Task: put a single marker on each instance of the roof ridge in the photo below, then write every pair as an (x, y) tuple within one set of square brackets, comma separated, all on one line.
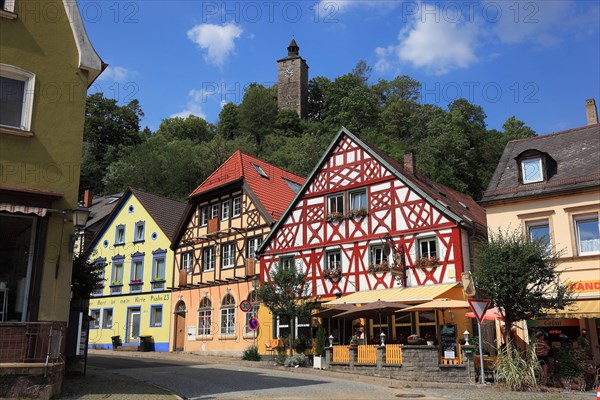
[(570, 130)]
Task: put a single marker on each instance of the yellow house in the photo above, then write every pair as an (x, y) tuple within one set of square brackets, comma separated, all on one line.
[(549, 186), (46, 66), (134, 301)]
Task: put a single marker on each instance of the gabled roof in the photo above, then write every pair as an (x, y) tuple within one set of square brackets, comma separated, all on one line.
[(272, 188), (165, 212), (101, 208), (575, 151), (457, 206)]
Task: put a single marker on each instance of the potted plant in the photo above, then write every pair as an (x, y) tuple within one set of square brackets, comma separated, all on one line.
[(415, 340), (321, 342), (375, 268), (333, 274), (427, 262)]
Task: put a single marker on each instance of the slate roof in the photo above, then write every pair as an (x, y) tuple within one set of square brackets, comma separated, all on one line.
[(101, 208), (576, 152), (165, 212), (273, 191)]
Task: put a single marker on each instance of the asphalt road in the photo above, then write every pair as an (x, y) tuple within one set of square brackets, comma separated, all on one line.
[(195, 381)]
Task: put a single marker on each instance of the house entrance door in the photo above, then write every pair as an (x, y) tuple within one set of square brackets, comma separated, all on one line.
[(179, 327), (133, 327)]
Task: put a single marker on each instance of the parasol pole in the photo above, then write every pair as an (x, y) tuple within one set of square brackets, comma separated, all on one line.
[(480, 351)]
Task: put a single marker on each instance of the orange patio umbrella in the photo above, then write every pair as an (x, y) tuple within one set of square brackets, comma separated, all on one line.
[(492, 314)]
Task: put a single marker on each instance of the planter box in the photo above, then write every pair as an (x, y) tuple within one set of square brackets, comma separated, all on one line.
[(318, 362)]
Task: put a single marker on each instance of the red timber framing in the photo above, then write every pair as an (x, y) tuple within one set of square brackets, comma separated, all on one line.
[(412, 213)]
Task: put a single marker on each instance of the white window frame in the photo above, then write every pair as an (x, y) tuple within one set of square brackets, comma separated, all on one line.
[(186, 262), (137, 268), (237, 206), (138, 234), (330, 263), (584, 218), (120, 264), (228, 255), (228, 315), (120, 238), (523, 173), (16, 73), (427, 239), (155, 275), (205, 317), (95, 314), (105, 312), (225, 210), (208, 258), (287, 262), (204, 216), (333, 200), (297, 325), (154, 324), (353, 194), (253, 245), (374, 257), (214, 211), (537, 224)]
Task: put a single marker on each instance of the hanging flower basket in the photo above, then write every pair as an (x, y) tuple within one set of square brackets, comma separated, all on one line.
[(333, 274), (427, 262)]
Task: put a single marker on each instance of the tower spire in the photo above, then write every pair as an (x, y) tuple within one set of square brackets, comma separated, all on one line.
[(293, 48)]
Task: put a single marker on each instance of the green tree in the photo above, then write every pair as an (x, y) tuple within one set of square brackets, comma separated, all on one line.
[(229, 121), (317, 87), (401, 88), (520, 277), (108, 129), (86, 276), (258, 111), (192, 128), (286, 295), (516, 129), (288, 123)]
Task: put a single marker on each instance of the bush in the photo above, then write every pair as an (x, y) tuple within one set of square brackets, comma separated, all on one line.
[(570, 362), (296, 360), (251, 354), (517, 370), (280, 357), (321, 341), (300, 344)]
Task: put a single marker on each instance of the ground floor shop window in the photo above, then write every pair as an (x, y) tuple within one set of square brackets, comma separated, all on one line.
[(17, 247)]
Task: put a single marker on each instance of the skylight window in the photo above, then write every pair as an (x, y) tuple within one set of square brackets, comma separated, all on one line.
[(293, 185), (260, 171)]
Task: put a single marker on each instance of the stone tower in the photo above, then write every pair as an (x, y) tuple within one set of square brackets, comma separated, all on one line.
[(292, 81)]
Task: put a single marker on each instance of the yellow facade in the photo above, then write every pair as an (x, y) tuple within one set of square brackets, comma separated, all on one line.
[(133, 304)]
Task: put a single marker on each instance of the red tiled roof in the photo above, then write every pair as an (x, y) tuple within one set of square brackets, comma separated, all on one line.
[(273, 191)]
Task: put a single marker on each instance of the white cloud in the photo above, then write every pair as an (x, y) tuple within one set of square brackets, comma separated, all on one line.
[(329, 8), (383, 63), (543, 22), (191, 108), (218, 40), (439, 46), (117, 74)]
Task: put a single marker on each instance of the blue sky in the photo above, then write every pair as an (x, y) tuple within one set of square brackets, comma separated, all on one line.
[(537, 60)]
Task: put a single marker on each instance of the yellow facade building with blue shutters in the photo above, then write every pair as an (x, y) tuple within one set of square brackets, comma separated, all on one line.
[(133, 244)]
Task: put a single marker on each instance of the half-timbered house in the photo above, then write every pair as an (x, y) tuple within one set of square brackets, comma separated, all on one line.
[(365, 227), (227, 218)]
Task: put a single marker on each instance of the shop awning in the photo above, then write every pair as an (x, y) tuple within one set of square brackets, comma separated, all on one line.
[(417, 294), (579, 309), (15, 208)]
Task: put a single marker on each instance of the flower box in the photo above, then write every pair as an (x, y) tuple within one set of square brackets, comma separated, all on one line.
[(376, 268), (427, 262), (335, 216), (358, 213), (135, 281), (333, 274)]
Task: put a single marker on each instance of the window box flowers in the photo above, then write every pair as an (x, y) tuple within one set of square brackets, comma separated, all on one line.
[(136, 281), (375, 268), (117, 283), (333, 274), (358, 213), (427, 262), (415, 340), (335, 216)]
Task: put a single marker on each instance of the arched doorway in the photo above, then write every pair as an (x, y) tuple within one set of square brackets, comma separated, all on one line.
[(179, 335)]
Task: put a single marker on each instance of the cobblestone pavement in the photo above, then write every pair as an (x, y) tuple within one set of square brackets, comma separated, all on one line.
[(117, 384)]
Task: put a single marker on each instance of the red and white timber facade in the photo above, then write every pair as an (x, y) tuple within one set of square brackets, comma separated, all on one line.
[(415, 216)]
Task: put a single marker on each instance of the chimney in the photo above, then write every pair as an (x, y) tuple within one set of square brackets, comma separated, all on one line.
[(87, 198), (591, 112), (410, 163)]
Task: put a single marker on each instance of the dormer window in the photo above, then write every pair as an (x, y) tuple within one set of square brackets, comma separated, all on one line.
[(531, 170)]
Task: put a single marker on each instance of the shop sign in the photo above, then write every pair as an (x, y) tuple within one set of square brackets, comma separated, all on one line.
[(553, 322), (585, 286)]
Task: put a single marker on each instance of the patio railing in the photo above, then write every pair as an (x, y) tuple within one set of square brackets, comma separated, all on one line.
[(393, 354), (30, 342), (367, 354), (452, 361), (341, 354)]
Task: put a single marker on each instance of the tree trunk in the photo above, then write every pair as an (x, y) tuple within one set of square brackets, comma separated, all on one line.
[(291, 337)]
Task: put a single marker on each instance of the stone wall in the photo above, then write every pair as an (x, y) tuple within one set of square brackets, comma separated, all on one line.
[(420, 363)]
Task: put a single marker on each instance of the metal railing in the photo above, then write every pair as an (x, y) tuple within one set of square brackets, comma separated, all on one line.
[(30, 342), (393, 354), (341, 354), (367, 354)]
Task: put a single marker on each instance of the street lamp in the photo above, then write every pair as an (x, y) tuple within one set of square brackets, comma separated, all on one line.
[(382, 336), (255, 282), (331, 340), (466, 334), (80, 216)]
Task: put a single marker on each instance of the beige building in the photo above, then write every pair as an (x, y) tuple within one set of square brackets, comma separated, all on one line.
[(549, 186)]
